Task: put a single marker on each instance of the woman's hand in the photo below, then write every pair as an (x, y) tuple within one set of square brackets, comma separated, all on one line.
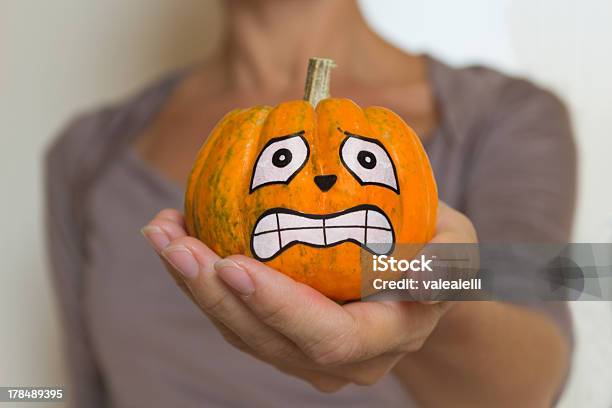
[(290, 325)]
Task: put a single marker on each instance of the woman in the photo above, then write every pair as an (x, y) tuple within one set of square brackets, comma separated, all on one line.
[(502, 153)]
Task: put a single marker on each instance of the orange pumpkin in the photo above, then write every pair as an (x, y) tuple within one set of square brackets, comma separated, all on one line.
[(305, 185)]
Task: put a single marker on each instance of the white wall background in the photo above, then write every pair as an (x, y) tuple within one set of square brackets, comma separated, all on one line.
[(59, 57)]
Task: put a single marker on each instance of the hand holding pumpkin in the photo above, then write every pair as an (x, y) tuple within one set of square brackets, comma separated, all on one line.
[(291, 325)]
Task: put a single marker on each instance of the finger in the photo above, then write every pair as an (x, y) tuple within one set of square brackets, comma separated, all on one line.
[(176, 277), (170, 224), (318, 326), (172, 214), (231, 337), (453, 227), (193, 261), (453, 252), (166, 226), (163, 230), (234, 340)]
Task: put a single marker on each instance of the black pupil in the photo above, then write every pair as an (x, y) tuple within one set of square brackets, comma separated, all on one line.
[(282, 157), (366, 159)]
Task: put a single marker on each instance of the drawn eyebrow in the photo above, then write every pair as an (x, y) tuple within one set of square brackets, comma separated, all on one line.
[(373, 141), (277, 138), (270, 142), (347, 133), (365, 138)]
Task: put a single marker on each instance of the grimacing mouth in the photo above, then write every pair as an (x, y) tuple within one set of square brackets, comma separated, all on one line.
[(278, 229)]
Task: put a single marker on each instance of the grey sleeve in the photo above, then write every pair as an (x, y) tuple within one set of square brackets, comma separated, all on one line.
[(522, 179), (66, 257), (522, 182)]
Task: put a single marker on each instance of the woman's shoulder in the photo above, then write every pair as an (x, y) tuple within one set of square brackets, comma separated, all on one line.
[(90, 133), (486, 84), (475, 95)]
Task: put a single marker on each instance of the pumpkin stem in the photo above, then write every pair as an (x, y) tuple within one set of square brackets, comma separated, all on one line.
[(317, 80)]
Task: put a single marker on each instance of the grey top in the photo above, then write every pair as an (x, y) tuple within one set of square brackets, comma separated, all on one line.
[(503, 154)]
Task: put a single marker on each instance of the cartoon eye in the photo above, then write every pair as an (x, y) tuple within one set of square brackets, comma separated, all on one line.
[(368, 161), (280, 160)]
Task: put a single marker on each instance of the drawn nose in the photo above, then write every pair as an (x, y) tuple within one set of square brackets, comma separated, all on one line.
[(325, 182)]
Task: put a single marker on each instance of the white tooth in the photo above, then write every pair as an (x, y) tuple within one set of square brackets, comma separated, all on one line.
[(334, 235), (376, 219), (379, 241), (310, 236), (266, 245), (267, 223), (352, 218), (296, 221)]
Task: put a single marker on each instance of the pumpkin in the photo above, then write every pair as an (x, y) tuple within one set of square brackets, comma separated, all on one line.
[(306, 185)]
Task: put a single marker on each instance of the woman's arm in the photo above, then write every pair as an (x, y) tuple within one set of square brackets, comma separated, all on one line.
[(85, 383), (485, 354), (521, 190)]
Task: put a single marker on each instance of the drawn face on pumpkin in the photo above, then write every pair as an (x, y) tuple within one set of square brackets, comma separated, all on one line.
[(364, 159), (306, 190)]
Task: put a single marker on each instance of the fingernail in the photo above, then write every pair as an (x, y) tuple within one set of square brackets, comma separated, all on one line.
[(182, 260), (156, 237), (234, 276)]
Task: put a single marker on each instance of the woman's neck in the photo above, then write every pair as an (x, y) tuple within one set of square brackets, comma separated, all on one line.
[(268, 42)]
